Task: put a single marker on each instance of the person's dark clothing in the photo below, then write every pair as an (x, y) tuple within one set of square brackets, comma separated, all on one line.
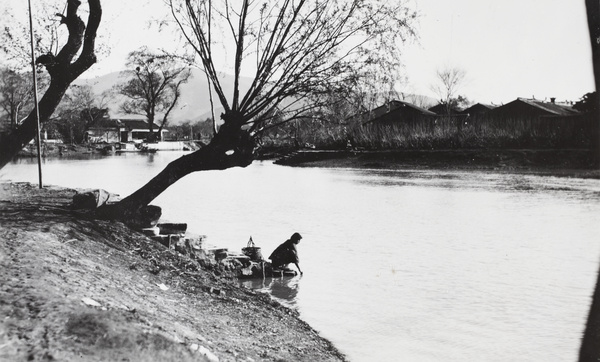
[(284, 254)]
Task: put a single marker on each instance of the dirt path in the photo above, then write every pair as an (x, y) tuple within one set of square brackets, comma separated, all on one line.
[(77, 289)]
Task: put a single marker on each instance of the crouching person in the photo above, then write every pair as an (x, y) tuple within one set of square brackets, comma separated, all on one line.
[(286, 253)]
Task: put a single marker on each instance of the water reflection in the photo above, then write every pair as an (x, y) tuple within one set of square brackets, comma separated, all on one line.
[(283, 289), (486, 181), (150, 159)]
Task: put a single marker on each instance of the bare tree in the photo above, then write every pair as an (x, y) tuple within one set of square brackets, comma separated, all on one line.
[(419, 100), (16, 91), (449, 81), (15, 40), (79, 109), (154, 85), (84, 100), (73, 58), (296, 52)]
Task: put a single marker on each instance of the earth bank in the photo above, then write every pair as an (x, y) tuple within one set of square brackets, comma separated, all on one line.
[(78, 288), (556, 162)]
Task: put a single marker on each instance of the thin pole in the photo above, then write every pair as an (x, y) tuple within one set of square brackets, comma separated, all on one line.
[(35, 97)]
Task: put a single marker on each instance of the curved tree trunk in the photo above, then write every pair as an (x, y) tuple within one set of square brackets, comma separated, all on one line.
[(231, 147), (63, 71), (26, 131)]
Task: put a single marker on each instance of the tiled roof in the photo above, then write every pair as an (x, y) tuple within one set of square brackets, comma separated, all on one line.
[(440, 109), (389, 108), (479, 107), (113, 123), (422, 110), (105, 123), (135, 123), (553, 108)]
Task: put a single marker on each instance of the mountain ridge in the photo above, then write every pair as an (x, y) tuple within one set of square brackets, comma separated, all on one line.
[(194, 104)]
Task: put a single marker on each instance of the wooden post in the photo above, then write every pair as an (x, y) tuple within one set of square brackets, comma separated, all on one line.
[(35, 98)]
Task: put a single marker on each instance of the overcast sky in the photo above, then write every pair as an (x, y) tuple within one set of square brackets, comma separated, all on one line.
[(508, 48)]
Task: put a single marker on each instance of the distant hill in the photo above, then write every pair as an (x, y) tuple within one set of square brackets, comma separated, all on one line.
[(419, 100), (194, 103)]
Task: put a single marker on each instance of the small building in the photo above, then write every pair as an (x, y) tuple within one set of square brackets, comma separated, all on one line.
[(442, 110), (103, 130), (525, 107), (115, 130), (393, 112), (478, 109), (132, 130)]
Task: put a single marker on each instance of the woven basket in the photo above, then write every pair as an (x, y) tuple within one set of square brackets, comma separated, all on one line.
[(252, 251)]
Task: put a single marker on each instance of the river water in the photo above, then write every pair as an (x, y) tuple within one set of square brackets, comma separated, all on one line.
[(398, 265)]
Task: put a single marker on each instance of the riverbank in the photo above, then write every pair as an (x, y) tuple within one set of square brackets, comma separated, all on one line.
[(570, 163), (50, 149), (77, 288)]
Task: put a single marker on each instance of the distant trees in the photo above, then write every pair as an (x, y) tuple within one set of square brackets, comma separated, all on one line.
[(418, 100), (153, 86), (588, 103), (456, 104), (80, 108), (188, 130), (15, 46), (448, 82), (16, 94), (63, 64)]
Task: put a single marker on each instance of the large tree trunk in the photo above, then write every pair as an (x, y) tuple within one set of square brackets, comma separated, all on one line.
[(25, 132), (590, 345), (63, 71), (230, 147)]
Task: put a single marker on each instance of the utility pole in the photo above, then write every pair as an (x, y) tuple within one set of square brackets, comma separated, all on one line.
[(35, 97)]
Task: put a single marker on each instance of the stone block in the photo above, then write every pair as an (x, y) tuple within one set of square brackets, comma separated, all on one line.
[(172, 228), (93, 199)]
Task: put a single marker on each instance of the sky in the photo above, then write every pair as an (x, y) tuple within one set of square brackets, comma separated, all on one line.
[(508, 48)]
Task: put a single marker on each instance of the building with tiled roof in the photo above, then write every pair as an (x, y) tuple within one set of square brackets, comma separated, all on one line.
[(478, 109), (393, 112), (526, 107), (441, 109), (113, 130)]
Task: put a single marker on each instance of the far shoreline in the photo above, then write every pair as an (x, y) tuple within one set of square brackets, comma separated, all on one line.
[(579, 163)]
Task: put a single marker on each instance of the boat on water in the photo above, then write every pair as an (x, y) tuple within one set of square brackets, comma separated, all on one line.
[(127, 147)]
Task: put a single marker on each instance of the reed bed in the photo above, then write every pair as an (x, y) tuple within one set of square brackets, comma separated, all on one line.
[(478, 132)]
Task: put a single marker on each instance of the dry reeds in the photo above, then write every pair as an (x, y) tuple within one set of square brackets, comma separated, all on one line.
[(463, 132)]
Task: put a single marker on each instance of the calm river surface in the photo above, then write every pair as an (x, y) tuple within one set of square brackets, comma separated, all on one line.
[(398, 265)]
